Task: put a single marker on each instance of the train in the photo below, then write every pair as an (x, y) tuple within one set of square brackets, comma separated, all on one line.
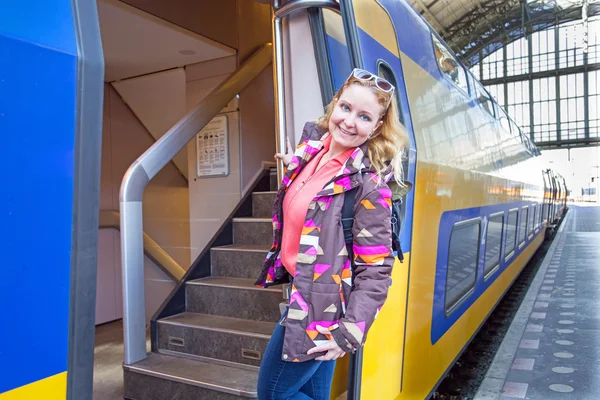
[(481, 203)]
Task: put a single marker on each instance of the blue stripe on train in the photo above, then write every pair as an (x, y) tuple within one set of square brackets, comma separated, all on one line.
[(442, 322), (340, 62)]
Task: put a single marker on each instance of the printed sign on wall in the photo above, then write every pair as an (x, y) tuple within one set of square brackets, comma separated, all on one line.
[(212, 150)]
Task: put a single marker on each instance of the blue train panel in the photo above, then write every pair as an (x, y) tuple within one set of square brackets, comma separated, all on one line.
[(444, 317), (38, 76), (373, 50), (47, 24), (340, 62)]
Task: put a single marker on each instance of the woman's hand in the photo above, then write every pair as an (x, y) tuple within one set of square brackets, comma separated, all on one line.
[(286, 158), (331, 347)]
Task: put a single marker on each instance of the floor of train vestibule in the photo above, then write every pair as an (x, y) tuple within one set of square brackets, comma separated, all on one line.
[(108, 361)]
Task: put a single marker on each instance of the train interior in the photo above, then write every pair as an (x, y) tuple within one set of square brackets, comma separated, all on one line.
[(206, 214)]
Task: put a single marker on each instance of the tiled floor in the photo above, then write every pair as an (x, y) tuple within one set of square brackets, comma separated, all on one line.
[(557, 355)]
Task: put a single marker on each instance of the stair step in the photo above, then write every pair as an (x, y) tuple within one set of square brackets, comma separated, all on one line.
[(162, 376), (241, 260), (253, 231), (262, 204), (231, 339), (233, 297)]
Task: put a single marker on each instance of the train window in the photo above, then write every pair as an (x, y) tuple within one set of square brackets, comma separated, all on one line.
[(504, 122), (511, 233), (523, 226), (531, 220), (485, 101), (463, 254), (384, 70), (493, 243), (449, 65), (331, 52)]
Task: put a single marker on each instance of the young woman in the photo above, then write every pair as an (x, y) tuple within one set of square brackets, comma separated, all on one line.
[(357, 145)]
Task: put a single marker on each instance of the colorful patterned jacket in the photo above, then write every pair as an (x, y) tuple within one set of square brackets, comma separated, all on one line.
[(322, 292)]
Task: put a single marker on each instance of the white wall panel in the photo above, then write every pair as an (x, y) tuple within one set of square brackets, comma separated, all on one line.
[(166, 211), (159, 101)]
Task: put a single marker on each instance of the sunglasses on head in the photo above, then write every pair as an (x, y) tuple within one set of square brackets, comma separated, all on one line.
[(366, 76)]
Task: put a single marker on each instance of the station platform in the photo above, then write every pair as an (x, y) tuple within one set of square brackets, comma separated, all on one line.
[(552, 348)]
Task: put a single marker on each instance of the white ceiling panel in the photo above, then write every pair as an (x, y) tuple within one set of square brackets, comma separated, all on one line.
[(137, 43)]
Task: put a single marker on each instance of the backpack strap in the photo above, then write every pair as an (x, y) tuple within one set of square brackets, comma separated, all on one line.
[(348, 219), (348, 222)]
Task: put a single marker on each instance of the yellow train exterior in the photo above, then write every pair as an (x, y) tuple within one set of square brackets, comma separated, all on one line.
[(474, 175)]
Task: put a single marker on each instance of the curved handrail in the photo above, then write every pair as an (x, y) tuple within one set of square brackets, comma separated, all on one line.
[(137, 177), (294, 5), (111, 219)]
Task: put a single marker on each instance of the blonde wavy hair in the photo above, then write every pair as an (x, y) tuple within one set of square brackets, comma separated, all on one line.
[(388, 144)]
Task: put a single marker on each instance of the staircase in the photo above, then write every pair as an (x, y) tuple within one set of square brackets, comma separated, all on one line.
[(210, 347)]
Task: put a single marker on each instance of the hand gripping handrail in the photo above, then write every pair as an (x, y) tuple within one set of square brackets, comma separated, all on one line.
[(137, 177), (112, 219), (278, 13)]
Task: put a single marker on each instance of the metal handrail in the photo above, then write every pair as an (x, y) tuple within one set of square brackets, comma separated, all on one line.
[(137, 177), (277, 14), (111, 219)]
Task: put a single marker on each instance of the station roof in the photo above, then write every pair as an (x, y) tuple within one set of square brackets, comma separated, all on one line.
[(475, 28)]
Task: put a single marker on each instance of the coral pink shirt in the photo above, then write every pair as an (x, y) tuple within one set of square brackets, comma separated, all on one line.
[(300, 193)]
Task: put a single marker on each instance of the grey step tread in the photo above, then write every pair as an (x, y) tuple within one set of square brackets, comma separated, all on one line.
[(250, 230), (239, 260), (220, 323), (233, 283), (222, 378), (243, 247), (262, 204), (253, 219)]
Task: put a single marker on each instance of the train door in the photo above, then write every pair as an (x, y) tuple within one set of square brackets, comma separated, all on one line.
[(332, 59), (545, 199), (566, 197), (547, 196), (372, 40), (314, 63), (554, 196), (559, 194)]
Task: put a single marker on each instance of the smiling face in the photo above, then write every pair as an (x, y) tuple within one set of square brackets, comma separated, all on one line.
[(355, 116)]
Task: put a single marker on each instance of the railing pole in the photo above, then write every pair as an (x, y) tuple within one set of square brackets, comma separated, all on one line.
[(134, 302), (279, 88)]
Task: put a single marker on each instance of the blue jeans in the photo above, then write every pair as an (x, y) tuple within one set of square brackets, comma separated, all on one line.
[(279, 380)]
